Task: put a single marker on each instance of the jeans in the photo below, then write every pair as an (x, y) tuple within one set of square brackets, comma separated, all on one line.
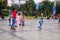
[(13, 22), (40, 24)]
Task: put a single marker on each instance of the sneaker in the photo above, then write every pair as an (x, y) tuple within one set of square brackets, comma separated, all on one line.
[(39, 27)]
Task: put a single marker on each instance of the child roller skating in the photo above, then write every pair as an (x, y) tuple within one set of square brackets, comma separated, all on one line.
[(23, 24), (40, 23), (21, 19), (9, 18), (13, 19), (16, 22), (9, 21)]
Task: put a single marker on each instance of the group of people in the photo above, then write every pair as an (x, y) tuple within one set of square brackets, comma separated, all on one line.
[(13, 17)]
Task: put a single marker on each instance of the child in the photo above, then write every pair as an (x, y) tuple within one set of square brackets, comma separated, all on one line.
[(20, 18), (40, 23), (23, 24), (13, 18), (16, 22), (9, 18)]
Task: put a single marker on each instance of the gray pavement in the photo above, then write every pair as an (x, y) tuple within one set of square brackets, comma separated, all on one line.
[(50, 30)]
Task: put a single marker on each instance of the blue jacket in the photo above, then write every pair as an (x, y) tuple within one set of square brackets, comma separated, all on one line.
[(41, 20)]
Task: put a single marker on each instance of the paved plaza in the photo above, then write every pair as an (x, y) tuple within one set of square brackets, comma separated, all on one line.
[(50, 30)]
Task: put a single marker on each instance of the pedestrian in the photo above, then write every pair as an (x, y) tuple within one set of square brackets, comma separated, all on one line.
[(59, 18), (23, 22), (40, 23), (10, 18), (13, 18), (20, 18)]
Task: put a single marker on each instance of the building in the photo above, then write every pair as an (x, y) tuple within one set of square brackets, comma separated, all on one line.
[(18, 2)]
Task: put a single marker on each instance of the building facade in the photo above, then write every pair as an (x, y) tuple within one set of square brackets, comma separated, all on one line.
[(18, 2)]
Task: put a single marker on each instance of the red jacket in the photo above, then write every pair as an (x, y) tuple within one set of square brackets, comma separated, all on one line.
[(13, 14)]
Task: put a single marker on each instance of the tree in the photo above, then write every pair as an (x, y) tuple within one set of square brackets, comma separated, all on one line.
[(46, 7), (2, 4), (58, 7), (28, 6)]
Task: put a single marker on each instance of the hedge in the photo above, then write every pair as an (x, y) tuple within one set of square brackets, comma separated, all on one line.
[(5, 13)]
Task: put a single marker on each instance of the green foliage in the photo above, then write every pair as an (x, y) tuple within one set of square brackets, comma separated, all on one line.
[(46, 7), (2, 4), (5, 13), (28, 6), (58, 7)]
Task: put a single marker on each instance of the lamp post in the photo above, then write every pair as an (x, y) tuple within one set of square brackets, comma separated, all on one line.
[(19, 3), (54, 2)]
